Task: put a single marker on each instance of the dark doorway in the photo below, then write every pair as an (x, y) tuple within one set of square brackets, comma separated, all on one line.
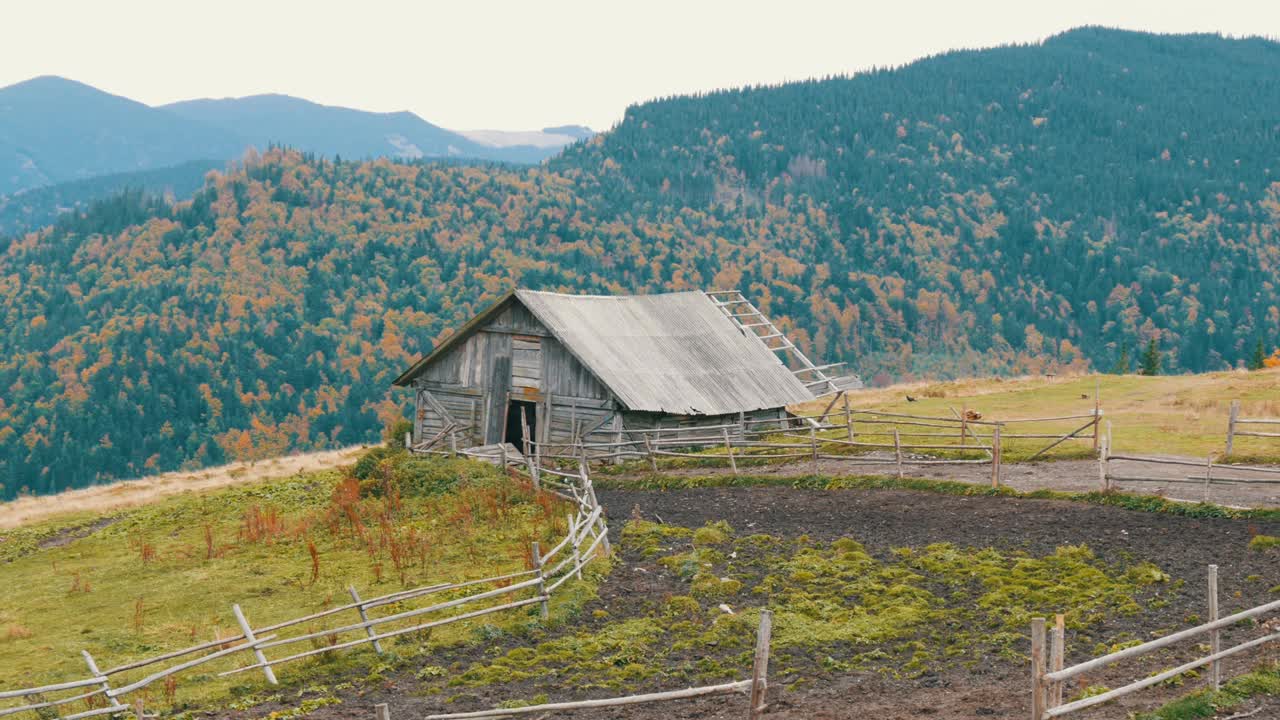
[(515, 432)]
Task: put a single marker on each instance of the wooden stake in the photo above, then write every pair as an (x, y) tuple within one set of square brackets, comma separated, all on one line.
[(106, 686), (1097, 409), (257, 652), (381, 712), (1037, 669), (760, 667), (1215, 668), (1103, 454), (1231, 426), (1057, 649), (542, 581), (729, 450), (364, 617), (848, 418), (964, 424), (648, 448), (897, 451), (813, 444), (995, 457)]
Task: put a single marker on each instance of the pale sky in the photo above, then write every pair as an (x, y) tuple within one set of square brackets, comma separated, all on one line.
[(523, 65)]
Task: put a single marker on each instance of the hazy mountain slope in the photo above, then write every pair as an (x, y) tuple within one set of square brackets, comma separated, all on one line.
[(53, 130), (35, 208), (329, 130), (1016, 210)]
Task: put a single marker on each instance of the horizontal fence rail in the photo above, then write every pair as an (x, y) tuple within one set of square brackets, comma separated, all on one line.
[(586, 539), (1049, 676), (1234, 423)]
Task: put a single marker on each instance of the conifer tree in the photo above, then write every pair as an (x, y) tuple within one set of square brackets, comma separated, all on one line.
[(1151, 359)]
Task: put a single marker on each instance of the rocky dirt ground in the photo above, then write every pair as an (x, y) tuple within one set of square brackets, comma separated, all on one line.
[(882, 520)]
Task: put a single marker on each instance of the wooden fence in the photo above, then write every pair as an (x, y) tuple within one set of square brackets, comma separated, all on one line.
[(1234, 422), (846, 435), (755, 688), (1049, 677), (1209, 472), (379, 618)]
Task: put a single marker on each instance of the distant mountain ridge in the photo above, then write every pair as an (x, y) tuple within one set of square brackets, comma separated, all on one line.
[(54, 130)]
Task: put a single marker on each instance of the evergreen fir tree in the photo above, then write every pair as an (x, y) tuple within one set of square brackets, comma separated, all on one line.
[(1258, 360), (1123, 364), (1151, 359)]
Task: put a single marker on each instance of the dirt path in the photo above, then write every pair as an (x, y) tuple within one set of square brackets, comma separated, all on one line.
[(132, 493), (1061, 475)]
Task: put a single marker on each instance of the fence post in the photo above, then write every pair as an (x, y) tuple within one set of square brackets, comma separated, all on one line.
[(453, 443), (995, 457), (813, 445), (760, 667), (1037, 669), (502, 448), (1057, 650), (897, 451), (729, 449), (106, 686), (381, 712), (1097, 409), (964, 424), (848, 418), (364, 617), (408, 441), (542, 581), (648, 448), (257, 652), (1103, 479), (576, 541), (1215, 668), (1231, 426)]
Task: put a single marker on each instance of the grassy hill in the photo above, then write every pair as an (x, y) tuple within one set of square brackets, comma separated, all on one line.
[(136, 582)]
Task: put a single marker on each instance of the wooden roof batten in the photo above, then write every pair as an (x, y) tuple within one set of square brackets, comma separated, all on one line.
[(677, 353)]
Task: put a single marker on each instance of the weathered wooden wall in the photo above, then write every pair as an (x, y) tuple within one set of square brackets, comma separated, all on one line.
[(513, 357)]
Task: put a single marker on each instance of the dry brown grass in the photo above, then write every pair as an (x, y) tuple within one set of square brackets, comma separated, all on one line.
[(134, 493)]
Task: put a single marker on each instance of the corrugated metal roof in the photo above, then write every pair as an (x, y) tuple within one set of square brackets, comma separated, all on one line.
[(674, 353)]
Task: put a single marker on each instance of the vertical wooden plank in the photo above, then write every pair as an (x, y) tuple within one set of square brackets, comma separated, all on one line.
[(1057, 651), (728, 448), (760, 666), (617, 437), (897, 451), (1037, 669), (381, 712), (524, 432), (1215, 641), (648, 448), (1231, 426), (964, 424), (364, 617), (257, 653), (813, 446)]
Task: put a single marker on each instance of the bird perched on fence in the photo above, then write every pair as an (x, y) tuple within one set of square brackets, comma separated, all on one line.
[(972, 415)]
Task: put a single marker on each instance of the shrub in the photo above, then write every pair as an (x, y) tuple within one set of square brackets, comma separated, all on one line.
[(1264, 542), (393, 434)]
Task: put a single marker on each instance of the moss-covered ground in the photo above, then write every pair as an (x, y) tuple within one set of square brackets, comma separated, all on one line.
[(690, 599)]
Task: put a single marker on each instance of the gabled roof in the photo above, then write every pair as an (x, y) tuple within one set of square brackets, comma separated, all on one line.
[(673, 353)]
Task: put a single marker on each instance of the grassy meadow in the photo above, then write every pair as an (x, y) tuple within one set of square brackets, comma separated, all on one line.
[(1165, 414), (144, 581)]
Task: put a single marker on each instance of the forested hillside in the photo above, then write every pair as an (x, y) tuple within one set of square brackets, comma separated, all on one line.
[(1011, 210)]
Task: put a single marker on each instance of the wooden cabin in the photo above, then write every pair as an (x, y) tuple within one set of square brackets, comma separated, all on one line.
[(596, 368)]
